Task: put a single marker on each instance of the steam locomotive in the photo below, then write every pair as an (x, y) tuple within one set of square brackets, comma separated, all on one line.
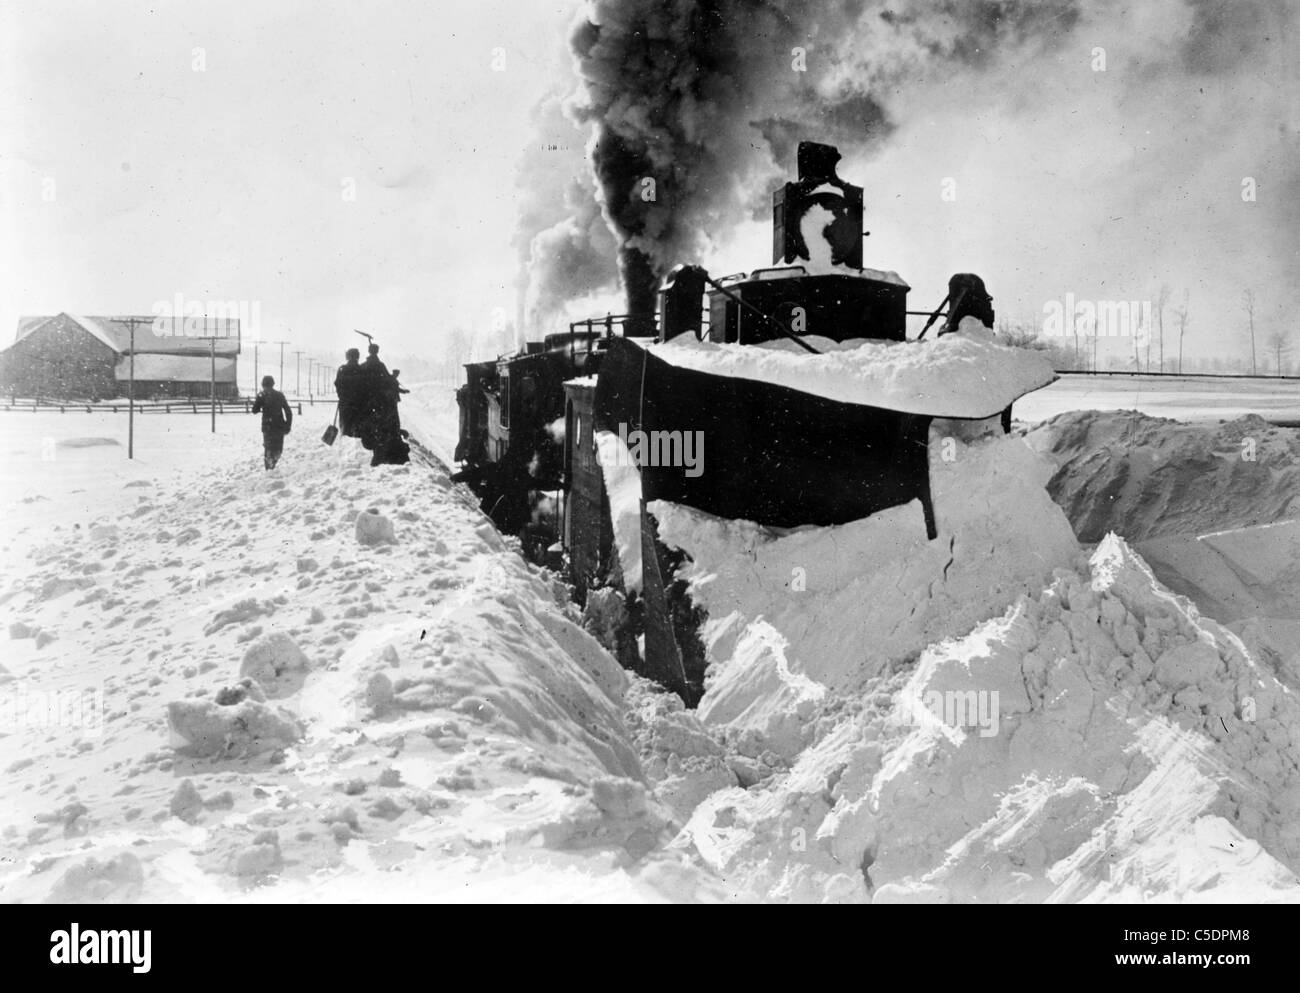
[(531, 422)]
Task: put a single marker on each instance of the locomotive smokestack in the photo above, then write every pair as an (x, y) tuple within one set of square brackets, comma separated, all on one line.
[(640, 284)]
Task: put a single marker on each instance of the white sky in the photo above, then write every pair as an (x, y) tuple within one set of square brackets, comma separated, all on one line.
[(227, 183)]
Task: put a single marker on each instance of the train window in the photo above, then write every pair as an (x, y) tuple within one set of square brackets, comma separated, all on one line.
[(577, 431)]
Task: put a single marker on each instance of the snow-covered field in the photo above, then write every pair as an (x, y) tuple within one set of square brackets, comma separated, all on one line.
[(1183, 399), (225, 684)]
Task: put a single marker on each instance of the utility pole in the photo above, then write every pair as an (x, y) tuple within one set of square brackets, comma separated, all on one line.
[(130, 388), (281, 344), (212, 376), (212, 382), (297, 372)]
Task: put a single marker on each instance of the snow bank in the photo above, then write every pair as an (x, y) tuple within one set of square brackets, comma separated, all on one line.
[(441, 726), (1146, 477), (1140, 753), (968, 374), (792, 615), (1233, 575)]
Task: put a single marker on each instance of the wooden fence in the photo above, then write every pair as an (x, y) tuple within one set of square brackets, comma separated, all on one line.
[(243, 405)]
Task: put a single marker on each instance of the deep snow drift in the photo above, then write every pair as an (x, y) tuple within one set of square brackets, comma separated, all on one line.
[(1146, 477), (988, 717), (1212, 508), (1139, 754), (304, 699)]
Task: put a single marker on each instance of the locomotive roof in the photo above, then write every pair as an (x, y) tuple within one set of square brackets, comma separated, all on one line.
[(799, 271)]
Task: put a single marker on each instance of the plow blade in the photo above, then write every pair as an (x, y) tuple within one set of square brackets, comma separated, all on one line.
[(757, 451)]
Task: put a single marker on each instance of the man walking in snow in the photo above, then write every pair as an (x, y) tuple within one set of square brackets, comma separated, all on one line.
[(277, 419)]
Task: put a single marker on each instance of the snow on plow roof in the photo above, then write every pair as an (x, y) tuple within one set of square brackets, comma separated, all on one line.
[(967, 374)]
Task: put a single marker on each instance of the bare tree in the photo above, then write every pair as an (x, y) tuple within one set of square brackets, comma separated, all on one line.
[(1137, 338), (1279, 343), (458, 349), (1181, 314), (1162, 299), (1074, 323), (1020, 334), (1248, 298)]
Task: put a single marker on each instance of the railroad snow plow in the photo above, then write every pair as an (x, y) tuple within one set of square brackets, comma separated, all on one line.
[(788, 397)]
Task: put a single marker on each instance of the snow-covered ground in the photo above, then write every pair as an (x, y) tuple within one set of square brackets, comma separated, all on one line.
[(265, 696), (1183, 399), (424, 718)]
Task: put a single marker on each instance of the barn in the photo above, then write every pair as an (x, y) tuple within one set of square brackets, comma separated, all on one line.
[(89, 358)]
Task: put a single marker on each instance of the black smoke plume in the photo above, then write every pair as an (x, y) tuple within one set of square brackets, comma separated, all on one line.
[(694, 106)]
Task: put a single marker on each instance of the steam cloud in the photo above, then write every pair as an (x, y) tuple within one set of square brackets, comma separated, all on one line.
[(702, 99), (694, 106)]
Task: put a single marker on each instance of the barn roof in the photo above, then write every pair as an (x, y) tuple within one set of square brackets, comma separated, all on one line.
[(27, 325), (115, 332)]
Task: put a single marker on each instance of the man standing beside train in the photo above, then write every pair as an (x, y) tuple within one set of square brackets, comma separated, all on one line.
[(349, 384)]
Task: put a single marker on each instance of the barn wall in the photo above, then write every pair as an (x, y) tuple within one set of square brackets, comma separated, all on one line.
[(60, 359), (160, 388)]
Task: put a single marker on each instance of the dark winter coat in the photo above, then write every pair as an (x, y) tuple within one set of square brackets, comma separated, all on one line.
[(349, 383), (376, 383), (277, 417)]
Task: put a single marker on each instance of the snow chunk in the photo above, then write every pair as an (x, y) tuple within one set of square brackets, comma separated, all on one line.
[(373, 528), (205, 729), (119, 879), (277, 664)]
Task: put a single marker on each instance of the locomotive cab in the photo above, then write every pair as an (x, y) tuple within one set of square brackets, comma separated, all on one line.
[(816, 286)]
